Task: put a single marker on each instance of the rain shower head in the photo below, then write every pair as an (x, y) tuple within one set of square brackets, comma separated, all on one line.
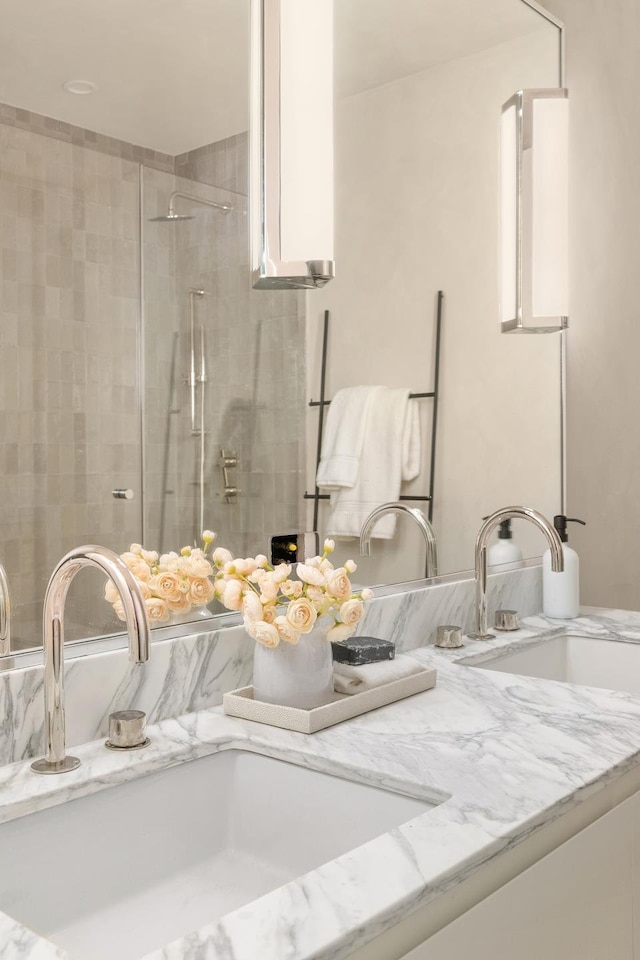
[(171, 216)]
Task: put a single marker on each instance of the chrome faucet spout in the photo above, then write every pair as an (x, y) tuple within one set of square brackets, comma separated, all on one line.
[(56, 759), (489, 525), (431, 562)]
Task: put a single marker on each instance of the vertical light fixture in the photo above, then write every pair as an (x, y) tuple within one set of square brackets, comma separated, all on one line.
[(291, 143), (534, 212)]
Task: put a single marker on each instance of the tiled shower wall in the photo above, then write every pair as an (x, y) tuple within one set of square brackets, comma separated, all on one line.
[(70, 431), (70, 427)]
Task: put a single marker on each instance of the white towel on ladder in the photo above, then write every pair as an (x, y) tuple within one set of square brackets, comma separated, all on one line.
[(343, 437), (390, 453)]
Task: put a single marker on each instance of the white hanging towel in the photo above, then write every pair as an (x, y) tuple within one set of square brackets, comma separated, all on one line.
[(390, 453), (343, 437)]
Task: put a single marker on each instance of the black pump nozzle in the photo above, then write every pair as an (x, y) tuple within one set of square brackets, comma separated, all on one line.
[(504, 532), (560, 523)]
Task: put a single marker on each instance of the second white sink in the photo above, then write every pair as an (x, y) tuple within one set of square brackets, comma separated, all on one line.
[(610, 664), (126, 870)]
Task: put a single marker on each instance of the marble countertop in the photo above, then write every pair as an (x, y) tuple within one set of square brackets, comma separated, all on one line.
[(503, 755)]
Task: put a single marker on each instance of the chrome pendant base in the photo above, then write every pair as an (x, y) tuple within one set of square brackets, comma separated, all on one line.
[(135, 746), (61, 766), (482, 636)]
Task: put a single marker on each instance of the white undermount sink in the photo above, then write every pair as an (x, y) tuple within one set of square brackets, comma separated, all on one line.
[(126, 870), (610, 664)]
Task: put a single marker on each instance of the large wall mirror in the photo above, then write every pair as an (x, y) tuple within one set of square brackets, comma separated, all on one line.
[(135, 355)]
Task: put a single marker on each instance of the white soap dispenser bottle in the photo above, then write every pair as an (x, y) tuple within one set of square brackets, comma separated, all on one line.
[(504, 550), (561, 591)]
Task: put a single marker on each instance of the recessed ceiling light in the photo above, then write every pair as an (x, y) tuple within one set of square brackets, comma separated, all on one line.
[(79, 87)]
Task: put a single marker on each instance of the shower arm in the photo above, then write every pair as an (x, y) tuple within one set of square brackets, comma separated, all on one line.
[(188, 196)]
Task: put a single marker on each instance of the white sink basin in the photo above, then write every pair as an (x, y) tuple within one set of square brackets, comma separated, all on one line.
[(124, 871), (610, 664)]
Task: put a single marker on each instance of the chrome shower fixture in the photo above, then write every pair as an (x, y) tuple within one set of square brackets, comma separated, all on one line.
[(171, 216)]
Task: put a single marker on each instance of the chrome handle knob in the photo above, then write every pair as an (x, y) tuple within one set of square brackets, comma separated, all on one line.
[(507, 620), (121, 494), (449, 636), (127, 730)]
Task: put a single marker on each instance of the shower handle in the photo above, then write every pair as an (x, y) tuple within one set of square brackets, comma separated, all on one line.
[(229, 460)]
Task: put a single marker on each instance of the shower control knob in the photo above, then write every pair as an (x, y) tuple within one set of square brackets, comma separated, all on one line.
[(119, 494)]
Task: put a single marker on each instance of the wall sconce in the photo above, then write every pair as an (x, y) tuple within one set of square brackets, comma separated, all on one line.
[(291, 143), (534, 212)]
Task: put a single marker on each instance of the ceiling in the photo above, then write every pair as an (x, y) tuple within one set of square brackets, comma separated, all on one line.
[(172, 75)]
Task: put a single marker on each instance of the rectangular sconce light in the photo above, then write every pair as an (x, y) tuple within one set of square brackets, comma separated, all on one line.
[(291, 143), (534, 212)]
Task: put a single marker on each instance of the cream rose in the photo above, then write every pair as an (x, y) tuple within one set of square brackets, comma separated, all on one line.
[(138, 567), (350, 566), (269, 588), (157, 610), (150, 556), (264, 633), (169, 561), (200, 591), (179, 604), (301, 615), (366, 594), (198, 567), (232, 595), (282, 572), (316, 594), (292, 588), (269, 614), (285, 630), (341, 631), (251, 607), (310, 574), (351, 612), (329, 546), (167, 586), (221, 556), (338, 584)]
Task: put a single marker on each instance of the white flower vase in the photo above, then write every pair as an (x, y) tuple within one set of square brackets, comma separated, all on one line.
[(295, 675)]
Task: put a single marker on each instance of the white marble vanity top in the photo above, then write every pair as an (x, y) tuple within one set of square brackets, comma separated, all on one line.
[(510, 754)]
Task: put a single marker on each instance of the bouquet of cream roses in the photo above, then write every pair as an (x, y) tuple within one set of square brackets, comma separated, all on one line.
[(277, 608), (171, 583)]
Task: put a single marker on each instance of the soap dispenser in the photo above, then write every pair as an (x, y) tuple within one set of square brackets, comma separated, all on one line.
[(505, 550), (561, 591)]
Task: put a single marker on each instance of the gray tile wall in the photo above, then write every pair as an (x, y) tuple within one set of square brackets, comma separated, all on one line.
[(69, 304), (70, 427)]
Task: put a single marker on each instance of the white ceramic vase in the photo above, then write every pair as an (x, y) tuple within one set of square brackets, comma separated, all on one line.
[(295, 675)]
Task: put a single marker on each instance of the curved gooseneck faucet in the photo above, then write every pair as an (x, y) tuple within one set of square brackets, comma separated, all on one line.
[(507, 513), (431, 563), (55, 759)]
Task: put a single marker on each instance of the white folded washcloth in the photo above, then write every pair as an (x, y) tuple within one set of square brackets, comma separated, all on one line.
[(390, 454), (350, 679), (343, 437)]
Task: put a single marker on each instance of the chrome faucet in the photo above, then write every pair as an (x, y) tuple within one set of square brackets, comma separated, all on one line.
[(508, 513), (55, 759), (431, 564), (5, 614)]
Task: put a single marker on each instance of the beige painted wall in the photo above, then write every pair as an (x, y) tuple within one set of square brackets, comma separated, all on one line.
[(603, 58), (417, 210)]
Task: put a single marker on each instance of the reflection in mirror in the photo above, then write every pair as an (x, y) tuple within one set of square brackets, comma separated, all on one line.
[(137, 357), (419, 92)]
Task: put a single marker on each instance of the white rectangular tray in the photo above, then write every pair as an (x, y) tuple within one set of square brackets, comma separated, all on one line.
[(240, 703)]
